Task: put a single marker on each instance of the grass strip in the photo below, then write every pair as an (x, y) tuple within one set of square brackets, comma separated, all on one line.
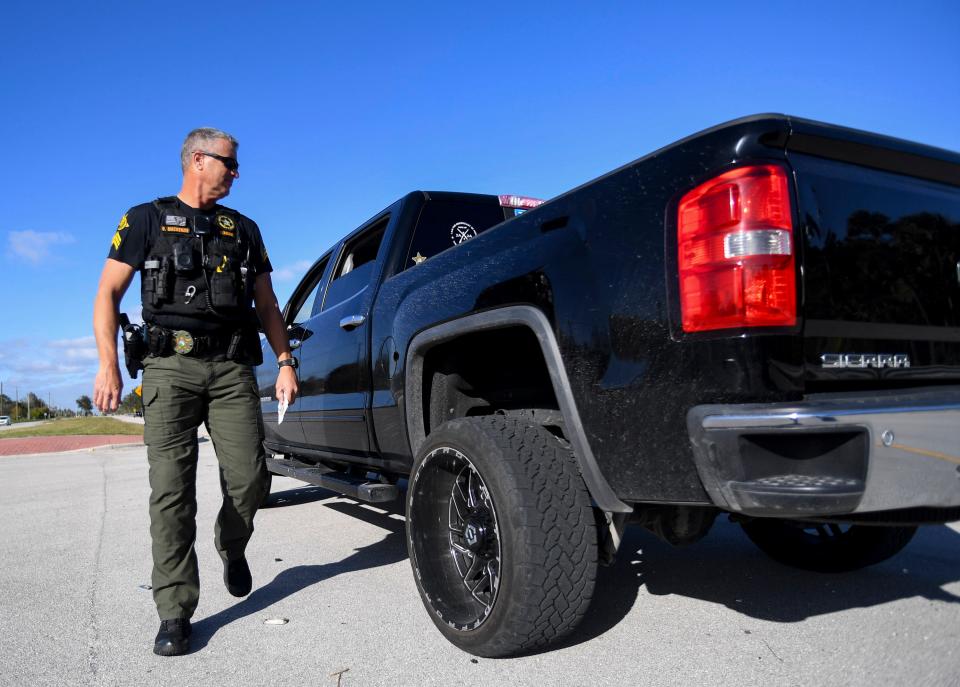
[(82, 426)]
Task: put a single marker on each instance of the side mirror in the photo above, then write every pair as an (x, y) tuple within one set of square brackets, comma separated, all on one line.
[(297, 334)]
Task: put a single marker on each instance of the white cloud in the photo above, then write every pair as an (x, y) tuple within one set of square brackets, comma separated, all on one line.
[(59, 368), (25, 363), (36, 246), (294, 271), (81, 354), (83, 349), (80, 342)]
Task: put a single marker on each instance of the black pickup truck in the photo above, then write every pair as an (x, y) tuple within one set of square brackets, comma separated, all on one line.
[(762, 319)]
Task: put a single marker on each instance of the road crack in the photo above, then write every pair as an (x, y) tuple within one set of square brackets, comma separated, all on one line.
[(93, 625), (770, 649)]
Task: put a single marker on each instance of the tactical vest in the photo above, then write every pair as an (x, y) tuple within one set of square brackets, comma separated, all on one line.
[(198, 268)]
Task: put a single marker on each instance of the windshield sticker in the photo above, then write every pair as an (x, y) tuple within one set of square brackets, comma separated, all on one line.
[(461, 232)]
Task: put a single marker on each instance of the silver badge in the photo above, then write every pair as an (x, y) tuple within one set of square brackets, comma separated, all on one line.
[(864, 360), (182, 342)]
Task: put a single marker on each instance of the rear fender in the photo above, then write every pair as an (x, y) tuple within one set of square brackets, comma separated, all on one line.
[(513, 316)]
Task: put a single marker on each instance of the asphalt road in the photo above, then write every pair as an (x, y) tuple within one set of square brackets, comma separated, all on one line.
[(75, 552), (21, 425)]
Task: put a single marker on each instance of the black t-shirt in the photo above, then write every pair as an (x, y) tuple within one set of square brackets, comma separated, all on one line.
[(141, 222)]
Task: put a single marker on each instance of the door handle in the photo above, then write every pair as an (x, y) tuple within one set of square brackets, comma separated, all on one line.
[(352, 321)]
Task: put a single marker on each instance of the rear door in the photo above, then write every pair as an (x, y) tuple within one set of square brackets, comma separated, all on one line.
[(305, 301), (335, 360)]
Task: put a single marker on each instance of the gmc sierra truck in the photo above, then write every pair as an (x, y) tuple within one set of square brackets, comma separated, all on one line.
[(762, 320)]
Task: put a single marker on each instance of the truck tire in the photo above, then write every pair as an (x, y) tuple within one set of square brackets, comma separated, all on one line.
[(501, 535), (827, 547)]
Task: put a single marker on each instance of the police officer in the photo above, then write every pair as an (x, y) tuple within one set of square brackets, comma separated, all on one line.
[(205, 283)]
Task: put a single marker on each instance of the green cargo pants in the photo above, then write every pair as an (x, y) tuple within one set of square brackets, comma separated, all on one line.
[(178, 394)]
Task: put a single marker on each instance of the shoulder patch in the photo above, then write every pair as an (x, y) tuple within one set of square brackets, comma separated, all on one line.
[(117, 237)]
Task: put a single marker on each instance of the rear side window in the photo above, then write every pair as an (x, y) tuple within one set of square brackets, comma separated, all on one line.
[(444, 224), (355, 266)]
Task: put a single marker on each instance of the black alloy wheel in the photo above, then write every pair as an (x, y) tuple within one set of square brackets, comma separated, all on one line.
[(501, 535), (473, 535), (827, 547)]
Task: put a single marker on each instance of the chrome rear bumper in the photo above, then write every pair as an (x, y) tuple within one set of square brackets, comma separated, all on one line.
[(831, 453)]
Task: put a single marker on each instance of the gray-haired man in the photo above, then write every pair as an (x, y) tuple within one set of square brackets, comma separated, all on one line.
[(205, 282)]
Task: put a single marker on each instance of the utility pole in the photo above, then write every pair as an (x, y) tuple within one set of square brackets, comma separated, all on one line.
[(17, 405)]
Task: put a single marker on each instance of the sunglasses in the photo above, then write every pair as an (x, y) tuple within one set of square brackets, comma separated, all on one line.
[(229, 162)]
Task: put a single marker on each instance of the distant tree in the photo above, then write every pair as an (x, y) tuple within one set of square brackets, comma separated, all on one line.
[(85, 404), (130, 404)]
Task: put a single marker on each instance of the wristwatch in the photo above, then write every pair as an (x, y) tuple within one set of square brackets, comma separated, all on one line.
[(288, 362)]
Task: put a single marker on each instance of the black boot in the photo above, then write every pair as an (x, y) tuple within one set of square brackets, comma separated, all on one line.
[(236, 575), (173, 639)]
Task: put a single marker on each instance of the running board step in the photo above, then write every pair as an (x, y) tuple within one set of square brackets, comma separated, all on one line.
[(354, 487)]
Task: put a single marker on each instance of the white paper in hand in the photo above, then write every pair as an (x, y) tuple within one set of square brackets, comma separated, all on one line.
[(282, 408)]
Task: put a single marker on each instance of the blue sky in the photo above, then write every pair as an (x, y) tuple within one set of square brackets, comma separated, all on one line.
[(340, 110)]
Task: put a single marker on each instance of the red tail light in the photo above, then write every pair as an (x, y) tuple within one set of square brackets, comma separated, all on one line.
[(735, 252)]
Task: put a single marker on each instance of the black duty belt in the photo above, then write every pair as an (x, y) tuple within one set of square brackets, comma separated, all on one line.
[(162, 341)]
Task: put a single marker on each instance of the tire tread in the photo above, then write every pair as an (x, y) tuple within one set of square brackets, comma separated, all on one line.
[(558, 602), (556, 528)]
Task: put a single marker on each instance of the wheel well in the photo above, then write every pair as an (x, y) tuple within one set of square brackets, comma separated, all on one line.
[(484, 372), (506, 361)]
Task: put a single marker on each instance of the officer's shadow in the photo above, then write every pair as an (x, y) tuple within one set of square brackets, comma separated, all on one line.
[(391, 549)]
